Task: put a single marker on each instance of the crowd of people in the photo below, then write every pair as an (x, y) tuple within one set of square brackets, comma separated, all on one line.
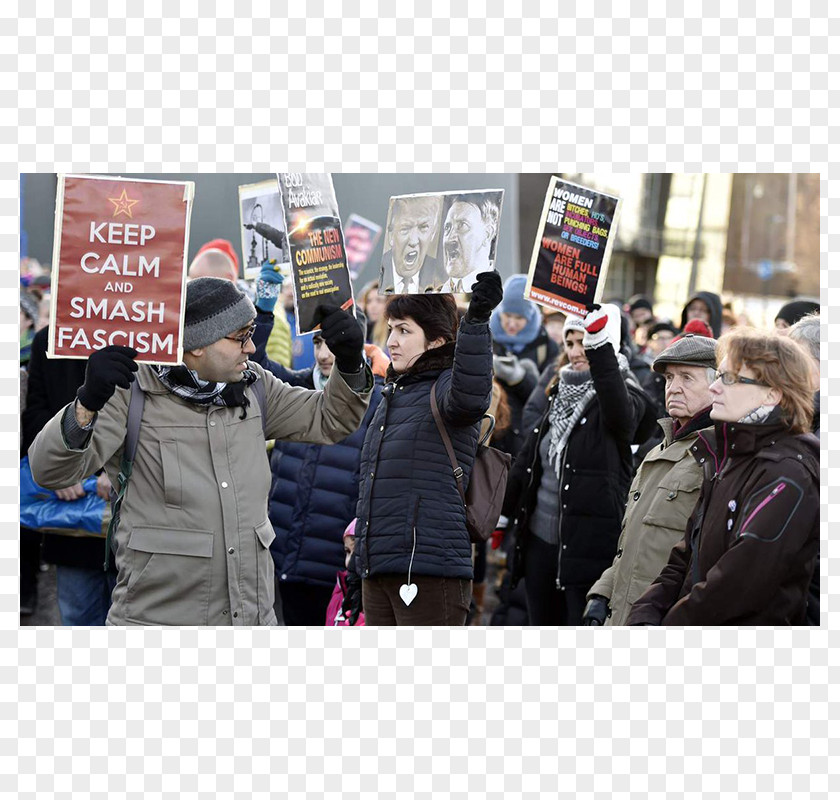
[(664, 471)]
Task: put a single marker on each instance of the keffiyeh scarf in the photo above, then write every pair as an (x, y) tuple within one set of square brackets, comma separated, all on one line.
[(187, 385), (575, 391)]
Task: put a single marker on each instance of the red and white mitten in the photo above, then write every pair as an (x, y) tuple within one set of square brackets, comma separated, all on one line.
[(595, 323)]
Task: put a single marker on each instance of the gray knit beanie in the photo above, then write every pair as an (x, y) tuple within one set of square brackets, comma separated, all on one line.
[(215, 308)]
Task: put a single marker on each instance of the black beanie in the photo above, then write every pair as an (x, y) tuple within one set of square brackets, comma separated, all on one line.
[(214, 309), (794, 311), (639, 301)]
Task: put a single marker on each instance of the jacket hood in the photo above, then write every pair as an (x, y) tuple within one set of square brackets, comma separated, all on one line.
[(715, 306)]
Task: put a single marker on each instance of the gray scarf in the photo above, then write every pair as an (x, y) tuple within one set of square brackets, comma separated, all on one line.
[(575, 391)]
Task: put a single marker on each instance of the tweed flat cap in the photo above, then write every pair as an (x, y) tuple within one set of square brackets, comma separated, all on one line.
[(692, 350)]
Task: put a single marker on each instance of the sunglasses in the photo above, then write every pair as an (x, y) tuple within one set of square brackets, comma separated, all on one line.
[(731, 378), (244, 338)]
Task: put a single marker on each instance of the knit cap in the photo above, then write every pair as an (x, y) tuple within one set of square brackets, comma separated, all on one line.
[(513, 301), (794, 311), (613, 328), (215, 308), (222, 246)]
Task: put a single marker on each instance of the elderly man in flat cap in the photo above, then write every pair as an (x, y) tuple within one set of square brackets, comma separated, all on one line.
[(666, 487)]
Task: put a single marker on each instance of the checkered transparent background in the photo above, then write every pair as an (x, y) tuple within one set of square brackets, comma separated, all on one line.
[(733, 86)]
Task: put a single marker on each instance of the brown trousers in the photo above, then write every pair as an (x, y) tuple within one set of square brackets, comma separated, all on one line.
[(439, 601)]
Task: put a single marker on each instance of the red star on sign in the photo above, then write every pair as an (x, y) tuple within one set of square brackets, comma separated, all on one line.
[(122, 205)]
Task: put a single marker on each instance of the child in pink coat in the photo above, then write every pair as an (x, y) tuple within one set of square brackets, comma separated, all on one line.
[(335, 617)]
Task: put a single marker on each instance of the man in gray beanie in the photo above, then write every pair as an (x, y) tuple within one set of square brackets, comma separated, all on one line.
[(192, 545), (666, 487)]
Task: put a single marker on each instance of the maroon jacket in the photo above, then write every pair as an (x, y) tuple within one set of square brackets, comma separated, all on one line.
[(753, 539)]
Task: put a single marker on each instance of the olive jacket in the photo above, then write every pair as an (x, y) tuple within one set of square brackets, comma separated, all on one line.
[(661, 499), (192, 547)]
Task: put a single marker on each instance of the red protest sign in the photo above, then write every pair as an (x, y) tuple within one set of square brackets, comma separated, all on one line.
[(119, 267)]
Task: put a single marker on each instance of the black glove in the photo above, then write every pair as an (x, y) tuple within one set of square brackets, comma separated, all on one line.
[(343, 336), (596, 611), (277, 238), (486, 295), (352, 605), (107, 368)]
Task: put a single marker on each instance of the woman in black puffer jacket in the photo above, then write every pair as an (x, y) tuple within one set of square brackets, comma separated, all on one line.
[(567, 490), (412, 547)]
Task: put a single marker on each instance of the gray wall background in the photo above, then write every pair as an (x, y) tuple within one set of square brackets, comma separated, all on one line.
[(216, 208)]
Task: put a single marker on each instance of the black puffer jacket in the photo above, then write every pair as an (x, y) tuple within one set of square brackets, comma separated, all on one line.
[(598, 469), (408, 498)]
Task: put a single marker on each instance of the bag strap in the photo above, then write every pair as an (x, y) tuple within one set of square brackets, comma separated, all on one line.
[(135, 413), (447, 443)]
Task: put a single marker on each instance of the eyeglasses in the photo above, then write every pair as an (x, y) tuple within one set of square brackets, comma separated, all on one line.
[(244, 338), (731, 378)]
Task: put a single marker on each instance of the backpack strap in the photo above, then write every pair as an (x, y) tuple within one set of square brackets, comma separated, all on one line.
[(135, 413)]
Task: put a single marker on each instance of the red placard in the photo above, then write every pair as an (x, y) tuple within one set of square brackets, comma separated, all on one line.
[(119, 267)]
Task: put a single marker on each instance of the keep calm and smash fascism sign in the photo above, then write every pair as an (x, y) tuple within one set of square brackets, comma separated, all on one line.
[(119, 267)]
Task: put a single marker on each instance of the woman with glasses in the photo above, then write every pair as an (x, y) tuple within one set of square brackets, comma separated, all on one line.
[(752, 542)]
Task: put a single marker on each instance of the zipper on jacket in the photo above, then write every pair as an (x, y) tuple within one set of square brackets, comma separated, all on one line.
[(560, 514), (775, 493), (386, 405)]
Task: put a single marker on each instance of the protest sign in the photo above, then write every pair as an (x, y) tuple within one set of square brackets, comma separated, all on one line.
[(440, 243), (572, 251), (119, 267), (316, 245), (360, 237), (260, 204)]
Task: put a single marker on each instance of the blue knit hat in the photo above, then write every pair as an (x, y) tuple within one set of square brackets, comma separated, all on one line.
[(514, 301)]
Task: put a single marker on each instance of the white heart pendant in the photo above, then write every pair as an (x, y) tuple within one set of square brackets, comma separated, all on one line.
[(408, 592)]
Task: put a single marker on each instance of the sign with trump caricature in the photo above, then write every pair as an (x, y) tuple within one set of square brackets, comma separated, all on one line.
[(439, 243)]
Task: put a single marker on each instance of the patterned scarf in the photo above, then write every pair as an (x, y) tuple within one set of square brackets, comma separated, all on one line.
[(758, 415), (575, 391), (185, 383)]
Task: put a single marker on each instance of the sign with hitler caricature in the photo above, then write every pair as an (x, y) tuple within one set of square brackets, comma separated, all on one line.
[(439, 242), (119, 267)]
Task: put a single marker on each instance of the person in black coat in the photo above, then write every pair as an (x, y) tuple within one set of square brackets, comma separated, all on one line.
[(83, 587), (413, 550), (568, 487)]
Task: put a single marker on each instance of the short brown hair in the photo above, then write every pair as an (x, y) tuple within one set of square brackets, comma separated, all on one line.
[(436, 314), (778, 362)]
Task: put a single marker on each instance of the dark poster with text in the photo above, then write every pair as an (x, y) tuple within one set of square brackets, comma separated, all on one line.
[(316, 246), (573, 247)]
